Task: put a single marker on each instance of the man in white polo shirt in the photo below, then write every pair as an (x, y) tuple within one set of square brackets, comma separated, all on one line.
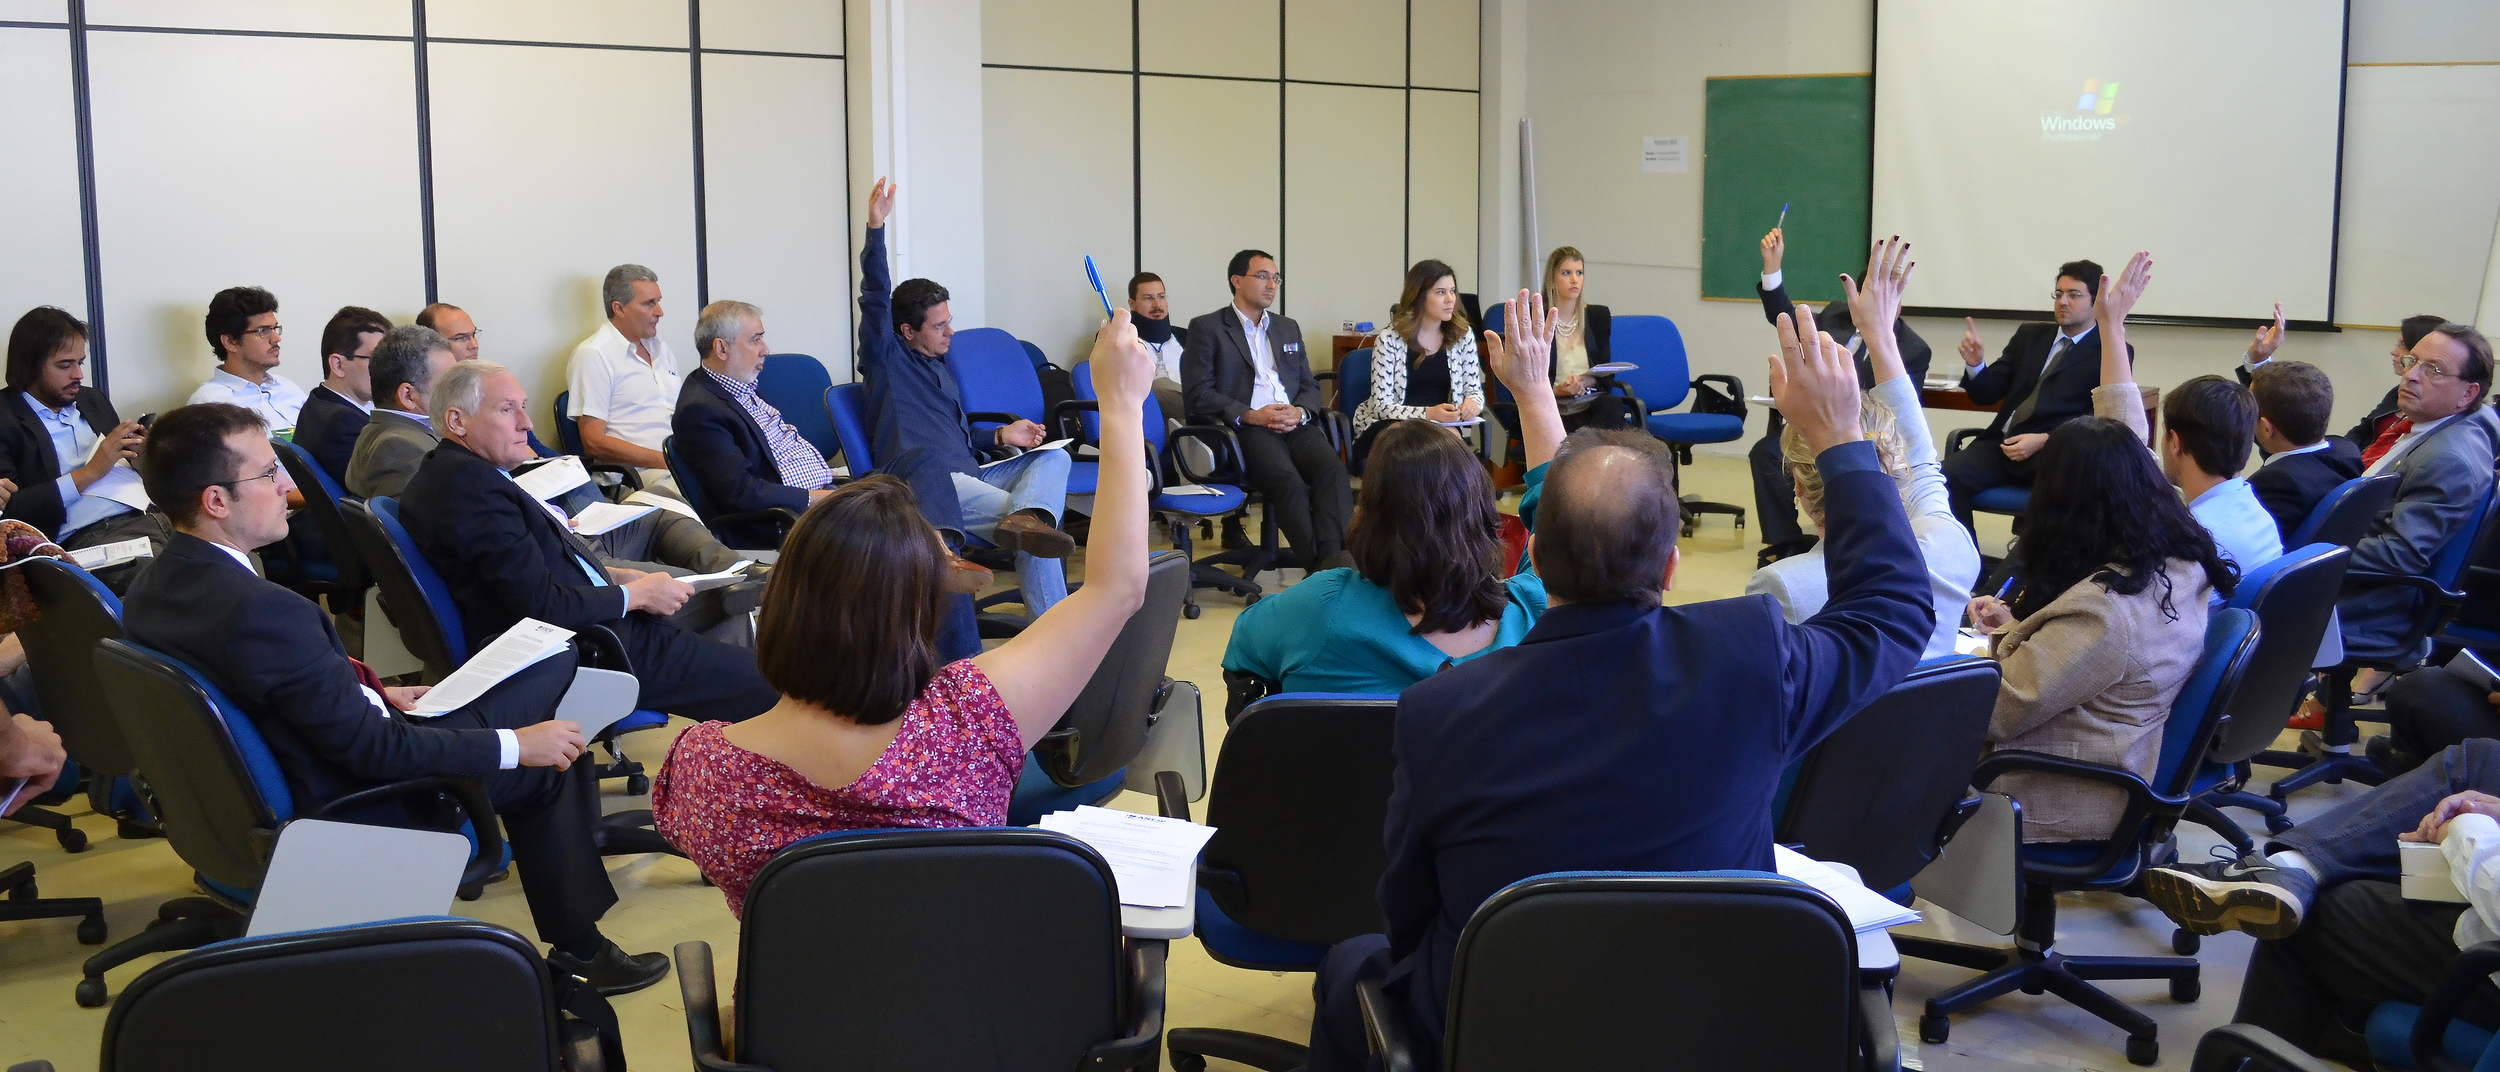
[(623, 379), (243, 331)]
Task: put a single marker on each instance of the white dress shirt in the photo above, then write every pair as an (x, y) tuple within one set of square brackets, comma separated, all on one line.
[(507, 742), (610, 382), (1167, 355), (1772, 281), (73, 442), (277, 399), (1266, 388)]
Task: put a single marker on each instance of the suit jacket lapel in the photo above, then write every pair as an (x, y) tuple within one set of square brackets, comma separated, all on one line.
[(22, 410), (745, 420)]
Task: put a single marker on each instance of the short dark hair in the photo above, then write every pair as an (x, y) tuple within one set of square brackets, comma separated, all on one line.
[(2412, 328), (186, 453), (231, 311), (1139, 280), (405, 356), (1608, 541), (1426, 528), (2216, 421), (2298, 398), (2088, 272), (912, 301), (429, 316), (1241, 264), (850, 617), (38, 335), (2477, 370), (341, 334)]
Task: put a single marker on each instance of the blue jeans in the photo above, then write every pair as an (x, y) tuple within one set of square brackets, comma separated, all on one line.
[(1037, 480)]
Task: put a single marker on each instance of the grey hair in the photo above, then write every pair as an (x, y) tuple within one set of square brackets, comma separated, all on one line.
[(405, 355), (462, 387), (722, 320), (619, 286)]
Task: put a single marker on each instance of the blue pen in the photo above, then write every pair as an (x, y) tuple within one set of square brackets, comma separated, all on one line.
[(1783, 217), (2009, 586), (1095, 278)]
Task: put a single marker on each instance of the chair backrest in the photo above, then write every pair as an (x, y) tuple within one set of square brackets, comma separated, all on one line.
[(413, 595), (983, 948), (1653, 343), (2448, 566), (1106, 727), (1730, 969), (795, 384), (1034, 354), (77, 612), (1354, 379), (1875, 794), (995, 376), (846, 405), (322, 496), (1298, 802), (2197, 715), (2293, 597), (410, 995), (568, 428), (2346, 514), (686, 482), (212, 780)]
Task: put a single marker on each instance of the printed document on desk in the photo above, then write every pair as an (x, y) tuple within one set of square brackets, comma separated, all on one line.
[(1154, 860), (1052, 445), (553, 477), (601, 518), (1867, 909), (524, 645)]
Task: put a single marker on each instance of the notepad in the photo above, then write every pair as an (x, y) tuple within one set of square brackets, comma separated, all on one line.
[(705, 582), (1966, 642), (2422, 873), (1052, 445), (553, 477), (1153, 859), (1867, 909), (653, 498), (526, 644), (599, 519), (103, 555), (1189, 489)]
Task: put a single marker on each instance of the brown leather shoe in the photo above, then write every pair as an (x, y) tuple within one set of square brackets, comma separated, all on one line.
[(1033, 536), (968, 578)]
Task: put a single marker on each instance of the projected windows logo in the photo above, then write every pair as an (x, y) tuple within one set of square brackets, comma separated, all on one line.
[(2090, 118)]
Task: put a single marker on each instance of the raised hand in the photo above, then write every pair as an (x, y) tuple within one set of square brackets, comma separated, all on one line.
[(1522, 360), (1973, 351), (2261, 348), (880, 203), (1876, 307), (1124, 370), (1815, 384), (2118, 298), (1774, 249)]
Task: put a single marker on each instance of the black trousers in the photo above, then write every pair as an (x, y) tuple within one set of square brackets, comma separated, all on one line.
[(2430, 709), (684, 674), (1982, 465), (1774, 493), (1305, 485), (548, 814)]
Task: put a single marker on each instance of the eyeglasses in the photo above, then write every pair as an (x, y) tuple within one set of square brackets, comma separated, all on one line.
[(237, 483), (2076, 295), (2430, 369), (270, 331), (1268, 277), (465, 337)]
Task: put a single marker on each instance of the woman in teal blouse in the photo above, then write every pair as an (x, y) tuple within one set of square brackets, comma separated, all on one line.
[(1426, 589)]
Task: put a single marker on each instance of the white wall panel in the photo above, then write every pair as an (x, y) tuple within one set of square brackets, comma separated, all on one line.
[(1058, 33), (34, 10), (1445, 43), (773, 25), (294, 16), (1344, 209), (597, 22), (39, 185), (313, 196), (1346, 41), (552, 165), (1441, 188), (1059, 186), (1210, 187), (776, 203), (2418, 202), (1233, 37)]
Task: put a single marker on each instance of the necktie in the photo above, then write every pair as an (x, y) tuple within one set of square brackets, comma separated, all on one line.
[(2032, 401), (2386, 440)]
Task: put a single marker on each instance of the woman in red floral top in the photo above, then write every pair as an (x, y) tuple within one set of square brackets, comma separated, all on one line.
[(871, 731)]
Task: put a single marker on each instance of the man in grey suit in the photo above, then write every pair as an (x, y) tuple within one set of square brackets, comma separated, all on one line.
[(2442, 454), (1246, 368)]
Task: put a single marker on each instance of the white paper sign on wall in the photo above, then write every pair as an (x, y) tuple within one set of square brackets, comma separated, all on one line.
[(1666, 156)]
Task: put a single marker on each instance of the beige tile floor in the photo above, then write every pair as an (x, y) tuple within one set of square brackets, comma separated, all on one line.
[(662, 904)]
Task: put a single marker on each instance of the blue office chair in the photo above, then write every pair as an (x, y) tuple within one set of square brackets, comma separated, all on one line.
[(2154, 807), (2345, 515), (409, 995), (1178, 512), (75, 612), (331, 568), (1662, 382), (1000, 387), (217, 786), (569, 436), (847, 405), (982, 948), (1298, 802), (724, 526), (2428, 1036), (2008, 499), (2294, 600), (1590, 969), (1505, 408), (795, 384), (2440, 592)]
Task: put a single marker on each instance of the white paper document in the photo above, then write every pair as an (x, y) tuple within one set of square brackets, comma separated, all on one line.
[(653, 498), (598, 519), (518, 649), (1052, 445), (1154, 860), (1966, 642), (1867, 909), (122, 486), (705, 582), (1189, 489), (102, 555), (553, 478), (331, 874)]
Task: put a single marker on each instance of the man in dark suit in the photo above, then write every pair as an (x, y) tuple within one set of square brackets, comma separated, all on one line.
[(740, 452), (63, 449), (507, 556), (2303, 463), (1245, 368), (336, 410), (2043, 379), (1575, 750), (1774, 494), (331, 725)]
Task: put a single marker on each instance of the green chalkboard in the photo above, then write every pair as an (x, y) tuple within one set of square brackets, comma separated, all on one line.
[(1806, 141)]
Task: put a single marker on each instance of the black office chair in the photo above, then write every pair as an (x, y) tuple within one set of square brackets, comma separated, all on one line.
[(781, 519), (1887, 789), (2293, 597), (413, 995), (1085, 758), (77, 612), (1298, 802), (992, 948), (1725, 969), (216, 785), (26, 901), (322, 496), (2249, 1048)]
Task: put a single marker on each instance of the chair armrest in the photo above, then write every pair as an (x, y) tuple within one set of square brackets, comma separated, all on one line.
[(781, 518), (2461, 978), (468, 793), (1220, 442), (1339, 429), (1171, 796), (1384, 1030), (1068, 415), (1735, 388), (1243, 688), (1961, 437), (602, 649), (703, 1033), (2248, 1048), (1876, 1027), (626, 475), (2142, 804), (2417, 582), (1143, 1047)]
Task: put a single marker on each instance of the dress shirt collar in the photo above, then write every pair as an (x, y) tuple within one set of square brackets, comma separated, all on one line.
[(239, 557), (2319, 445), (739, 390), (618, 342), (268, 381), (64, 415), (2216, 492), (1249, 322), (343, 396), (2077, 338), (426, 420)]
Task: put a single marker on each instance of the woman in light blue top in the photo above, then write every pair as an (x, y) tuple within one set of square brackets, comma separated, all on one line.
[(1426, 590)]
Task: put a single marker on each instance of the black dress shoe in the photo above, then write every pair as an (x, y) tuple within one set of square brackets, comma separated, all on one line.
[(1234, 538), (613, 971)]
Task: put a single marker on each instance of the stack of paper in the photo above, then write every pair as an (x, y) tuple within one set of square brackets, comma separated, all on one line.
[(2423, 873), (1052, 445), (102, 555), (705, 582), (1154, 860), (1867, 909), (553, 477), (601, 518), (653, 498), (524, 645)]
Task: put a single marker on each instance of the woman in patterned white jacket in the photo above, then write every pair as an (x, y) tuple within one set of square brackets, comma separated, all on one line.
[(1408, 384)]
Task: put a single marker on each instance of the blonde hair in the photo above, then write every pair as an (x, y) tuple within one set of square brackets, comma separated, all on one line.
[(1882, 427), (1553, 263)]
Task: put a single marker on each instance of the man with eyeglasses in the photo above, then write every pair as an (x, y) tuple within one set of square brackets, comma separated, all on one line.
[(2043, 378), (66, 458), (453, 323), (244, 333), (1245, 367), (2441, 447), (340, 406)]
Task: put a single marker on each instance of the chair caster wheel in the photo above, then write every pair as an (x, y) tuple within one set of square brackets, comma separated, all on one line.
[(2185, 943), (91, 931), (2276, 824), (1934, 1030), (471, 893), (2142, 1051), (637, 785), (1191, 612), (2186, 990), (1188, 1062), (90, 992), (1252, 599), (72, 839), (2035, 991)]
